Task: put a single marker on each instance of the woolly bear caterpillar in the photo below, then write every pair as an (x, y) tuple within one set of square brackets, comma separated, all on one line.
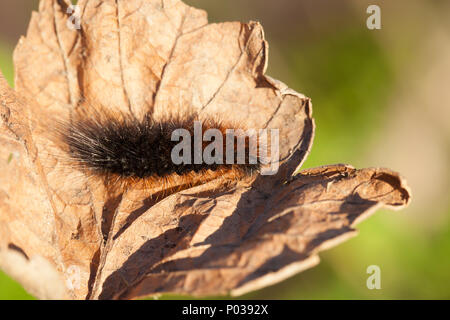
[(126, 152)]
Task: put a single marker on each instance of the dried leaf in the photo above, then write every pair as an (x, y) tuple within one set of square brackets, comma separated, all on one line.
[(142, 56)]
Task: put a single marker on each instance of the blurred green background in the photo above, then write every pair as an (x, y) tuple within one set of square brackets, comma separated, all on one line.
[(381, 98)]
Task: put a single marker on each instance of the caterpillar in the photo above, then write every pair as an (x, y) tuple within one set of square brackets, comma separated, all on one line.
[(125, 152)]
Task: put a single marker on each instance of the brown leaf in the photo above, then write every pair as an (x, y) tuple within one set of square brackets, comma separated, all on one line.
[(153, 56)]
